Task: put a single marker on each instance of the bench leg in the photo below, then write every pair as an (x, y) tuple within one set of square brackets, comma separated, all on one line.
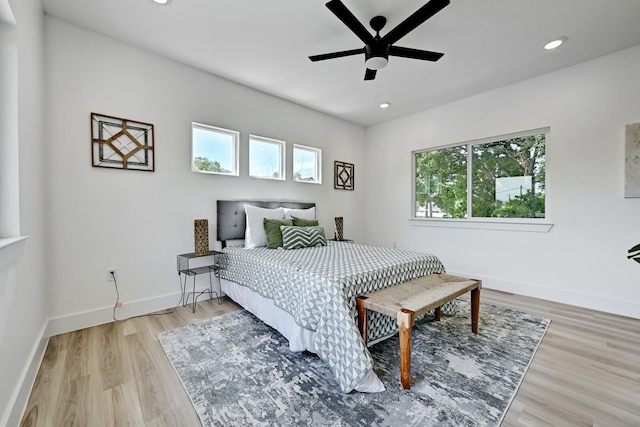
[(405, 322), (362, 318), (438, 313), (475, 309)]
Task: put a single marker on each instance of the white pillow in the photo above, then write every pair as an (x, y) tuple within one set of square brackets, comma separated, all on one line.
[(300, 213), (254, 235)]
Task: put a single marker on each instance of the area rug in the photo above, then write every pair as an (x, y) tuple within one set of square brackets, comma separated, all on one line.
[(239, 372)]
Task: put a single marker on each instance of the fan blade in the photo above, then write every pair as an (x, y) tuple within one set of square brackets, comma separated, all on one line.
[(332, 55), (370, 74), (345, 15), (409, 24), (407, 52)]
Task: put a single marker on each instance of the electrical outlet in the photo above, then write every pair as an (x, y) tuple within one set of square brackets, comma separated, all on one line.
[(395, 245), (110, 276)]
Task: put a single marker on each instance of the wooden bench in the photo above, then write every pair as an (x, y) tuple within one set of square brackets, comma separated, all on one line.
[(410, 299)]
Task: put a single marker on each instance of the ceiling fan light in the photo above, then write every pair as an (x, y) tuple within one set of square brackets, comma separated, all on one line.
[(376, 62)]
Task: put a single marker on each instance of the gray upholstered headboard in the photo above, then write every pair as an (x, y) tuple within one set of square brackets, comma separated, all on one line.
[(231, 219)]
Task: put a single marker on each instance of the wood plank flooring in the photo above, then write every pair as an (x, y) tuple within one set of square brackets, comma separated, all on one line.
[(585, 373)]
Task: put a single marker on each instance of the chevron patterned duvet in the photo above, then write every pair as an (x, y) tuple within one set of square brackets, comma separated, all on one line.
[(318, 286)]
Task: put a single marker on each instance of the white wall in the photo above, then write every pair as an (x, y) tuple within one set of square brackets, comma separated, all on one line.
[(23, 293), (582, 259), (136, 221)]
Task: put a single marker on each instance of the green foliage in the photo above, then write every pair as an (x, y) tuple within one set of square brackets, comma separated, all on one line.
[(441, 179), (634, 253), (524, 206), (205, 164), (515, 157)]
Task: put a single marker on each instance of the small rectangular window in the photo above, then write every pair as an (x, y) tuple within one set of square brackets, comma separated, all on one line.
[(501, 177), (307, 164), (214, 150), (266, 158)]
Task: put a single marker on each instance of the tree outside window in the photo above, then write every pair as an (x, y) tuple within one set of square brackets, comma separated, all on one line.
[(502, 178), (214, 150)]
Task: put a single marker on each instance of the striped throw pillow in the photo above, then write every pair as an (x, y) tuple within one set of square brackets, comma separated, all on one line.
[(302, 237)]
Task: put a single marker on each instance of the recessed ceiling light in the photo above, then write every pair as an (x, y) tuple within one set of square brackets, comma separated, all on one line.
[(162, 2), (385, 105), (555, 43)]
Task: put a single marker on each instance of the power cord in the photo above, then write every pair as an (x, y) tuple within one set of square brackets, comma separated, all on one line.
[(117, 304)]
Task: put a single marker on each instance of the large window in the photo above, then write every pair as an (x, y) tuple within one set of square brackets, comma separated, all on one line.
[(214, 150), (266, 158), (307, 164), (502, 177)]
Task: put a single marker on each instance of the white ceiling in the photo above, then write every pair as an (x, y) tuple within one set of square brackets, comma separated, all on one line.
[(265, 44)]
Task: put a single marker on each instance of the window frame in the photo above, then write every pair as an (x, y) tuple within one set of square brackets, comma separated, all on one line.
[(235, 154), (282, 158), (318, 163), (494, 223), (9, 133)]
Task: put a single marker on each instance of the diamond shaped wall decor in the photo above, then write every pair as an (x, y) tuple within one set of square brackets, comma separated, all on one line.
[(343, 175), (121, 143)]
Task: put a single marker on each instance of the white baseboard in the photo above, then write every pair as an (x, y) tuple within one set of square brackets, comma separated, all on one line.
[(86, 319), (60, 325), (20, 397), (598, 303)]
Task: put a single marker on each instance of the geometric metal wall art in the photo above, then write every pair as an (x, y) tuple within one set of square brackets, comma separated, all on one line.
[(121, 143), (343, 174), (632, 161)]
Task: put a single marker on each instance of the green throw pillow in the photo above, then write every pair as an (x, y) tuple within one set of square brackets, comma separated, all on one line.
[(302, 237), (272, 229), (301, 222)]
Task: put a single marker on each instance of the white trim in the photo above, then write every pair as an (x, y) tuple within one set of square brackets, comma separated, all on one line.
[(235, 160), (488, 139), (592, 302), (11, 249), (317, 152), (20, 397), (99, 316), (8, 241), (469, 145), (503, 225)]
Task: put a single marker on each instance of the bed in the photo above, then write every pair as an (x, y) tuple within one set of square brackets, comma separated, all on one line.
[(308, 294)]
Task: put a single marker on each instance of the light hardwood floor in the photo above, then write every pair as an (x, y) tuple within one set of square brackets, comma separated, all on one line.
[(585, 373)]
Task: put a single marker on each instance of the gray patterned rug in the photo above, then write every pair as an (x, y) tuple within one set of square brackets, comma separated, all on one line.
[(240, 372)]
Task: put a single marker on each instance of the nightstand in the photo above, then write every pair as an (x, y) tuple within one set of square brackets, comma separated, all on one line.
[(212, 262)]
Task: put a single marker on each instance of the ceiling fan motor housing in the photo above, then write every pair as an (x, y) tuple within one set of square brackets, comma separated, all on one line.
[(376, 55)]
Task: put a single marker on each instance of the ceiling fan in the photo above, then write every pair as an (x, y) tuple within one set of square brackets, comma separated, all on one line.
[(377, 49)]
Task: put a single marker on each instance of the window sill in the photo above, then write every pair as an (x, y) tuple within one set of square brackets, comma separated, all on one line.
[(535, 227), (11, 249)]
